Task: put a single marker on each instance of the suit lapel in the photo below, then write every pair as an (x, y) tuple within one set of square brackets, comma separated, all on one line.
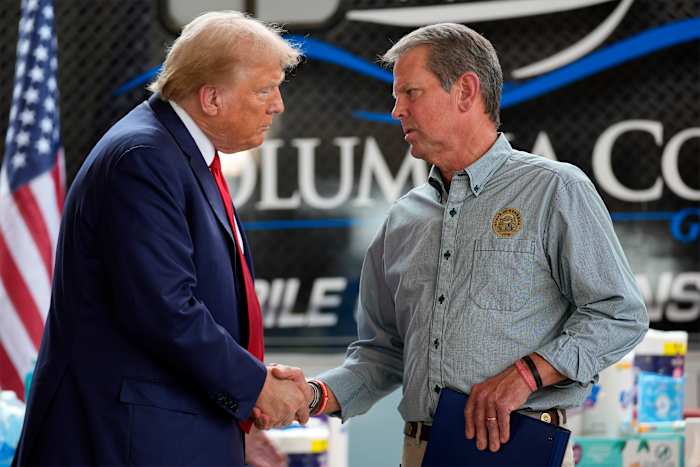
[(172, 122)]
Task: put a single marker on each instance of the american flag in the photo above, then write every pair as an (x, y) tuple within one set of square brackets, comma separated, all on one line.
[(31, 195)]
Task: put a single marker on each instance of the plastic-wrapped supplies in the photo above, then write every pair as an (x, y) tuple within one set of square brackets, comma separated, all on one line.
[(659, 363), (609, 405), (305, 445), (11, 419)]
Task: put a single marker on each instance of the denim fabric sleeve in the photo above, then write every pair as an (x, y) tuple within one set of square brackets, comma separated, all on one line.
[(373, 365), (590, 268)]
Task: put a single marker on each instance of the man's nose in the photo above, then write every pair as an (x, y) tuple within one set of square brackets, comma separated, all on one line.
[(399, 109), (277, 104)]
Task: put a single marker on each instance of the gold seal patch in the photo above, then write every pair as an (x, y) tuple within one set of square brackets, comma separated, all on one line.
[(507, 222)]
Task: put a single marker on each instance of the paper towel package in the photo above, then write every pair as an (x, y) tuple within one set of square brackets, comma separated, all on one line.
[(662, 352), (660, 398), (659, 381), (609, 404)]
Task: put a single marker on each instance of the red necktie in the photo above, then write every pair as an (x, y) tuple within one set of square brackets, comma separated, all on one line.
[(256, 344)]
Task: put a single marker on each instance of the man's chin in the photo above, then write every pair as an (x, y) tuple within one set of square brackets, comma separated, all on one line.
[(416, 152)]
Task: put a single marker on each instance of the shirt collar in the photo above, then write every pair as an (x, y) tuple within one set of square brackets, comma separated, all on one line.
[(203, 143), (481, 170)]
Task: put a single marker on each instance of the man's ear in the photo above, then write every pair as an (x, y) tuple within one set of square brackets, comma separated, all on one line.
[(468, 88), (209, 100)]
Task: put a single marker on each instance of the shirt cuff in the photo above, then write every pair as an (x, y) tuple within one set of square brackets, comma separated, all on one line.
[(349, 390), (571, 359)]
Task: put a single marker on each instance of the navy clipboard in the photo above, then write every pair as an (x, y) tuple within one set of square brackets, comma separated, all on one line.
[(532, 443)]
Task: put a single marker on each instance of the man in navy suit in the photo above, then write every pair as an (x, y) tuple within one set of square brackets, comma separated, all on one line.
[(152, 349)]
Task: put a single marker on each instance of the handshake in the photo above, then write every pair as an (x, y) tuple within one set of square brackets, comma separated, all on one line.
[(285, 397)]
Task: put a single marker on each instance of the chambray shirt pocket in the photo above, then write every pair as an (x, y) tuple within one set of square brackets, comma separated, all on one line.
[(502, 273)]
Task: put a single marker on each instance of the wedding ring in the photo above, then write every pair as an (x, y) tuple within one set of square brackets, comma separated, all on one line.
[(491, 419)]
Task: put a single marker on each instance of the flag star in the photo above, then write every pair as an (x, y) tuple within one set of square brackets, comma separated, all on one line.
[(54, 63), (50, 104), (32, 4), (19, 160), (43, 145), (52, 84), (21, 68), (41, 53), (22, 138), (37, 74), (10, 135), (47, 12), (23, 47), (46, 125), (17, 91), (28, 25), (45, 33), (26, 117), (13, 112), (31, 96)]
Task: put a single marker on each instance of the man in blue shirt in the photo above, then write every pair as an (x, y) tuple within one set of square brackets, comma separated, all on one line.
[(501, 277)]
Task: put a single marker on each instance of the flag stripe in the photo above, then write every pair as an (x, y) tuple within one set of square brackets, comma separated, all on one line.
[(29, 209), (32, 181), (19, 295), (24, 254), (9, 378), (44, 190), (18, 346), (58, 173)]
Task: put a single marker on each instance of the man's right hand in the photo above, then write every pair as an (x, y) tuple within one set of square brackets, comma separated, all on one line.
[(282, 400)]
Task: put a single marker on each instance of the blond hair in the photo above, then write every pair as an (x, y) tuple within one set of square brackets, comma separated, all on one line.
[(215, 46)]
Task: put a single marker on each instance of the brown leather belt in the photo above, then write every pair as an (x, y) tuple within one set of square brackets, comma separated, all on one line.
[(410, 429), (421, 431)]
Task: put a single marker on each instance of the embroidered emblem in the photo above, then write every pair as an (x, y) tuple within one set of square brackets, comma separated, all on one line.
[(507, 222)]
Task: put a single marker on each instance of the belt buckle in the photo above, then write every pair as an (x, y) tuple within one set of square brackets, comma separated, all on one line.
[(546, 417)]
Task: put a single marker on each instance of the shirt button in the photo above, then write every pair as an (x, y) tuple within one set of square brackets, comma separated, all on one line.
[(453, 212), (436, 343), (476, 188), (441, 299), (437, 389), (447, 254)]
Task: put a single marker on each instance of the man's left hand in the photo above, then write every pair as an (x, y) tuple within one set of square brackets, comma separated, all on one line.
[(488, 408)]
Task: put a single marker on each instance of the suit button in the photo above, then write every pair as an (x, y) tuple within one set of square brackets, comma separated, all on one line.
[(441, 299), (453, 211)]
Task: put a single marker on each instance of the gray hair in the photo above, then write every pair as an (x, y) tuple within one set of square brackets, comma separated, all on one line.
[(215, 46), (454, 50)]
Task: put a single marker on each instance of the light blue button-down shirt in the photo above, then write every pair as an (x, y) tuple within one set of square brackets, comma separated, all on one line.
[(519, 256)]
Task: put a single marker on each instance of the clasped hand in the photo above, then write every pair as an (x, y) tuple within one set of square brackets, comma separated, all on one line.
[(285, 397)]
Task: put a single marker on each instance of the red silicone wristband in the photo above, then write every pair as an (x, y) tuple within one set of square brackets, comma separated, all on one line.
[(526, 375)]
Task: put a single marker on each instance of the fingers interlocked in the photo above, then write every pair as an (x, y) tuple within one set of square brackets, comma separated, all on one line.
[(284, 398)]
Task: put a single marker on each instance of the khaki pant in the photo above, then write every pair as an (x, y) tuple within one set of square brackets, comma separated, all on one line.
[(414, 450)]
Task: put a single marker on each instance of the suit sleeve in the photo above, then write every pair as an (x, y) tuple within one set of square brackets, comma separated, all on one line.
[(150, 259)]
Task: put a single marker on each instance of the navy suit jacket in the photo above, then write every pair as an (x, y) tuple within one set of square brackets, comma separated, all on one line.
[(142, 360)]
